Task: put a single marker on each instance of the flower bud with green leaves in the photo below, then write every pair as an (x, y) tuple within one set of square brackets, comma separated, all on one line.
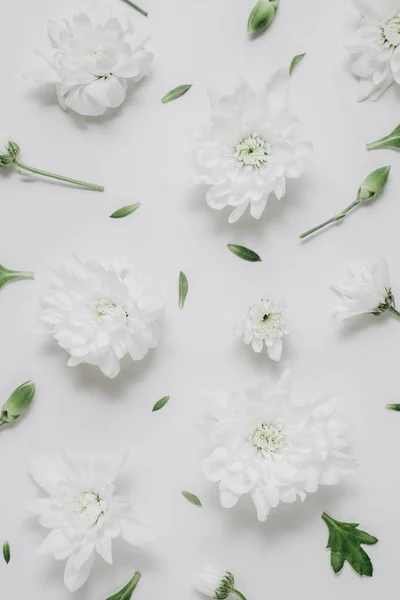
[(9, 150), (18, 403), (262, 16), (9, 155), (217, 583), (370, 188)]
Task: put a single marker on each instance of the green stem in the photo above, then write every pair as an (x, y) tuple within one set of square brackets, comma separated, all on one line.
[(374, 145), (143, 12), (394, 311), (337, 217), (90, 186), (238, 594)]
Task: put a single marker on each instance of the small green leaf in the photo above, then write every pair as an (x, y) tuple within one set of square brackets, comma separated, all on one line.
[(391, 141), (373, 184), (393, 407), (183, 289), (7, 275), (176, 93), (244, 253), (161, 403), (125, 211), (127, 591), (18, 403), (261, 16), (298, 58), (6, 552), (191, 498), (345, 541)]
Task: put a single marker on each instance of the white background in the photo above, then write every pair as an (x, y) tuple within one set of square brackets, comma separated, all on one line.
[(141, 153)]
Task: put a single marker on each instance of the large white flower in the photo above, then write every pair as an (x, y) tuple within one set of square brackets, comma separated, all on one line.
[(375, 50), (271, 445), (99, 314), (91, 59), (84, 515), (264, 325), (366, 290), (249, 149)]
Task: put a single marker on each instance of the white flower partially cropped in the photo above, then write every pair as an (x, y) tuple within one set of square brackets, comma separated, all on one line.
[(264, 325), (90, 61), (250, 148), (215, 582), (99, 314), (84, 514), (375, 49), (366, 290), (271, 445)]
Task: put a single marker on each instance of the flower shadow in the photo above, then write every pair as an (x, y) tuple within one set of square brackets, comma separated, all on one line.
[(361, 323)]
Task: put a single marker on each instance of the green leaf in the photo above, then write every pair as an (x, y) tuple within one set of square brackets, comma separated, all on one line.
[(191, 498), (176, 93), (161, 403), (261, 16), (7, 275), (298, 58), (18, 403), (125, 211), (127, 591), (391, 141), (345, 541), (6, 552), (183, 289), (244, 253), (393, 407), (373, 184)]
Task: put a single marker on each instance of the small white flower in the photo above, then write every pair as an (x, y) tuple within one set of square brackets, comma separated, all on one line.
[(91, 60), (217, 583), (366, 290), (264, 325), (99, 314), (273, 446), (84, 515), (250, 148), (375, 51)]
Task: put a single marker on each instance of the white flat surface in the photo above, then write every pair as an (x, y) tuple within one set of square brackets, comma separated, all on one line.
[(142, 153)]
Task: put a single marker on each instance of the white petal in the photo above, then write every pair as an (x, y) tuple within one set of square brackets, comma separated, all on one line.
[(78, 567), (275, 351)]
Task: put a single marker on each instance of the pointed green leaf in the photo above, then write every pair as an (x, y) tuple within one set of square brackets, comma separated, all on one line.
[(161, 403), (183, 289), (345, 541), (191, 498), (6, 552), (391, 141), (18, 403), (393, 407), (373, 184), (261, 16), (127, 591), (244, 253), (7, 275), (125, 211), (298, 58), (176, 93)]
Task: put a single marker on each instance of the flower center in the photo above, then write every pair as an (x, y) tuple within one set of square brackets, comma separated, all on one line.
[(267, 438), (103, 310), (391, 31), (266, 318), (96, 52), (252, 151), (90, 506)]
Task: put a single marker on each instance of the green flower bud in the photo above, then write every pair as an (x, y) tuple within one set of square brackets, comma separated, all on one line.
[(225, 587), (18, 403), (9, 151), (262, 16), (373, 184)]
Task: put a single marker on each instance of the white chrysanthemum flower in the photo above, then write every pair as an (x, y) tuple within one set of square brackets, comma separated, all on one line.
[(85, 515), (217, 583), (269, 444), (366, 290), (99, 314), (375, 50), (250, 148), (264, 325), (91, 60)]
